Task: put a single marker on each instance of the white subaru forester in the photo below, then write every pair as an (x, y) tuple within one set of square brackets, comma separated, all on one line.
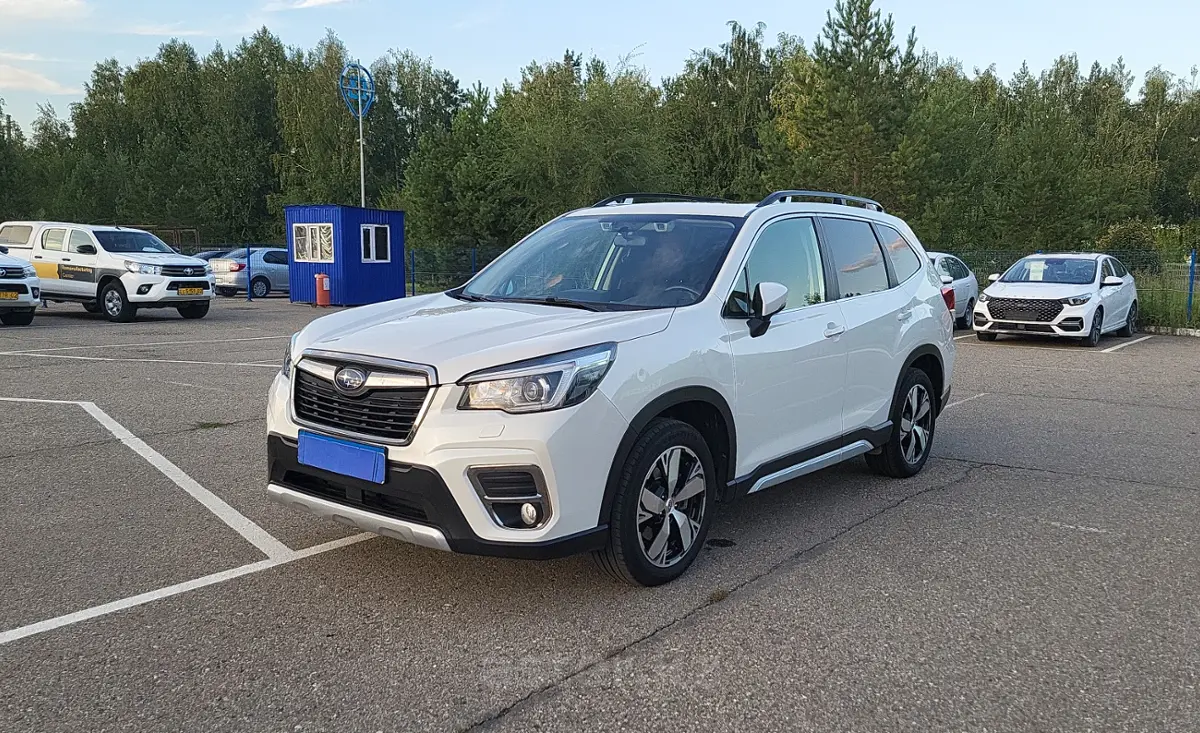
[(613, 378)]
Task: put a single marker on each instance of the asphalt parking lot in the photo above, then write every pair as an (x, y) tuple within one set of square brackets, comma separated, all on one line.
[(1043, 573)]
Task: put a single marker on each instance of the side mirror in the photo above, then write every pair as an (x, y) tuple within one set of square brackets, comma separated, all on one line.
[(3, 250), (769, 298), (1112, 281), (86, 249), (993, 277), (947, 280)]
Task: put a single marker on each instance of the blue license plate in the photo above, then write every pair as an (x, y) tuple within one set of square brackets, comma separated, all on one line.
[(366, 462)]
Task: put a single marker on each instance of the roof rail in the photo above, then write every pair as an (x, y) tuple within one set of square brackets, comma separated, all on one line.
[(631, 198), (838, 198)]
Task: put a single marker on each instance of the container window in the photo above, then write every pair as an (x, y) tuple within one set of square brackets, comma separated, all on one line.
[(312, 242), (376, 243)]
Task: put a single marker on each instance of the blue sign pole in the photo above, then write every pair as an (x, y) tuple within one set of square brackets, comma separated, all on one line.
[(358, 92), (1191, 284)]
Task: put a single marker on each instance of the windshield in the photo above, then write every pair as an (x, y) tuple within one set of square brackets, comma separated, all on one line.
[(1057, 270), (126, 242), (611, 262)]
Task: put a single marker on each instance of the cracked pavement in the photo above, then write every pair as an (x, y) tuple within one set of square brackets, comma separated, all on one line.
[(1042, 573)]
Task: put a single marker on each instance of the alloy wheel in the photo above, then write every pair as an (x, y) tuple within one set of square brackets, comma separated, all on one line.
[(916, 424), (260, 289), (671, 506), (113, 303)]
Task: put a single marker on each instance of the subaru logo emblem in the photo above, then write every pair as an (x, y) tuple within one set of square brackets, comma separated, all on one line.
[(349, 380)]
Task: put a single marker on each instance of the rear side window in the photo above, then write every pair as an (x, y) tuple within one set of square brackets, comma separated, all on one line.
[(1118, 267), (856, 257), (275, 258), (961, 271), (787, 253), (905, 261), (16, 235), (52, 239)]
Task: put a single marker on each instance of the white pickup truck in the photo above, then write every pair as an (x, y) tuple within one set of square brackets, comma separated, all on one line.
[(110, 270)]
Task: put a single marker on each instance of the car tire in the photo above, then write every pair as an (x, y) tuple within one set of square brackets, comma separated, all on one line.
[(17, 318), (914, 419), (965, 321), (115, 304), (647, 519), (260, 287), (985, 336), (193, 311), (92, 307), (1093, 338), (1130, 326)]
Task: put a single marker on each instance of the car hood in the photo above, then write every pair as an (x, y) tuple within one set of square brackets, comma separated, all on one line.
[(1040, 291), (457, 337), (160, 258), (10, 261)]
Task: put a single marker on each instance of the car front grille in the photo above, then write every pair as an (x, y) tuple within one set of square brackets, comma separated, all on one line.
[(183, 270), (12, 273), (388, 414), (19, 289), (1024, 309)]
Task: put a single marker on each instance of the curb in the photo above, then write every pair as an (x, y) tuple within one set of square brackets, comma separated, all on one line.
[(1162, 330)]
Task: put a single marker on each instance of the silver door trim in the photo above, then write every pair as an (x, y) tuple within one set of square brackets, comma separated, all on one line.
[(812, 465)]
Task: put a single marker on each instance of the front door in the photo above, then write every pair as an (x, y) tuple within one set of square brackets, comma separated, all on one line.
[(77, 270), (789, 379)]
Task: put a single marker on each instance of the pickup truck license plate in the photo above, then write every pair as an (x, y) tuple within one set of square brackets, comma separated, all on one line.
[(191, 291)]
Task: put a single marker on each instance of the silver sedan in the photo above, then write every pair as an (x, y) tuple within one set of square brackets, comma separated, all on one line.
[(966, 287)]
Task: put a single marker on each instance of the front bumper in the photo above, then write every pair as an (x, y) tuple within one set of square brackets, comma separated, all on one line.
[(28, 294), (1073, 322), (154, 289), (429, 480)]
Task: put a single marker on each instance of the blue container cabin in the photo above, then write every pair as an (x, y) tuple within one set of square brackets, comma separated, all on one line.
[(361, 250)]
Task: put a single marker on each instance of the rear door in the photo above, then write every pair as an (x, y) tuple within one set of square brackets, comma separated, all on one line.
[(277, 267), (48, 252), (876, 314), (789, 379)]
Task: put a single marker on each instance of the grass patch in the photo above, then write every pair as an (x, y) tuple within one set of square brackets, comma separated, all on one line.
[(211, 425), (718, 595)]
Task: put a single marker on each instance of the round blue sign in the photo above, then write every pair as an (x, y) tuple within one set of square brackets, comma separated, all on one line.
[(358, 89)]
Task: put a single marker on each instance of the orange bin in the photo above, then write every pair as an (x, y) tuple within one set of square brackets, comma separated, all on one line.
[(322, 289)]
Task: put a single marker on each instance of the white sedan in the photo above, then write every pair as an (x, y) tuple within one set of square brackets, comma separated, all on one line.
[(1080, 296)]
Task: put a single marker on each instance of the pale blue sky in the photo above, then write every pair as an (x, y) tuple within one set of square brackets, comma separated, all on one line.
[(48, 47)]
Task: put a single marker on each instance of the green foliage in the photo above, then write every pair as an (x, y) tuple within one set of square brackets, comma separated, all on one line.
[(1055, 160)]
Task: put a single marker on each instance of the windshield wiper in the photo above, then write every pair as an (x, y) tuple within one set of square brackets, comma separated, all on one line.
[(551, 300), (460, 295)]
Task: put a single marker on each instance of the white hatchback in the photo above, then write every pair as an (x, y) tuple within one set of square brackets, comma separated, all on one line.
[(1081, 296), (613, 378)]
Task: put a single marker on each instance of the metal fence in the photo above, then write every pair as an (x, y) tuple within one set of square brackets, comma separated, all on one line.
[(1166, 288)]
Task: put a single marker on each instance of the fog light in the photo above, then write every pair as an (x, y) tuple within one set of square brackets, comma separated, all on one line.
[(37, 293), (529, 514), (143, 290)]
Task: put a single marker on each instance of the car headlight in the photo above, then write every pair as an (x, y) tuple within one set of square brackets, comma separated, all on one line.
[(142, 268), (207, 269), (561, 380), (30, 271), (1076, 300), (984, 297), (286, 368)]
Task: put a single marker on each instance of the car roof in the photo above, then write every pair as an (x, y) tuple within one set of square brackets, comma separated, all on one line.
[(736, 210), (85, 227), (1067, 255)]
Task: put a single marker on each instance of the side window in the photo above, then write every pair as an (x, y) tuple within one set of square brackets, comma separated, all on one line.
[(944, 267), (786, 252), (961, 271), (905, 261), (16, 235), (376, 243), (52, 239), (1108, 268), (856, 257), (1119, 267), (78, 238), (275, 258)]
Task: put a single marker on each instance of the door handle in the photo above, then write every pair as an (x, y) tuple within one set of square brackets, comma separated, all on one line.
[(834, 330), (66, 259), (904, 315), (37, 257)]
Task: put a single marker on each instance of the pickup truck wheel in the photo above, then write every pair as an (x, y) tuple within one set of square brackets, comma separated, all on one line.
[(663, 506), (17, 318), (116, 305), (192, 311), (913, 418), (93, 307)]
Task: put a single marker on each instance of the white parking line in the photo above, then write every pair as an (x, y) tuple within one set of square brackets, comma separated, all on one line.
[(1118, 347), (58, 622), (965, 399), (234, 519), (144, 361), (134, 346), (960, 338)]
